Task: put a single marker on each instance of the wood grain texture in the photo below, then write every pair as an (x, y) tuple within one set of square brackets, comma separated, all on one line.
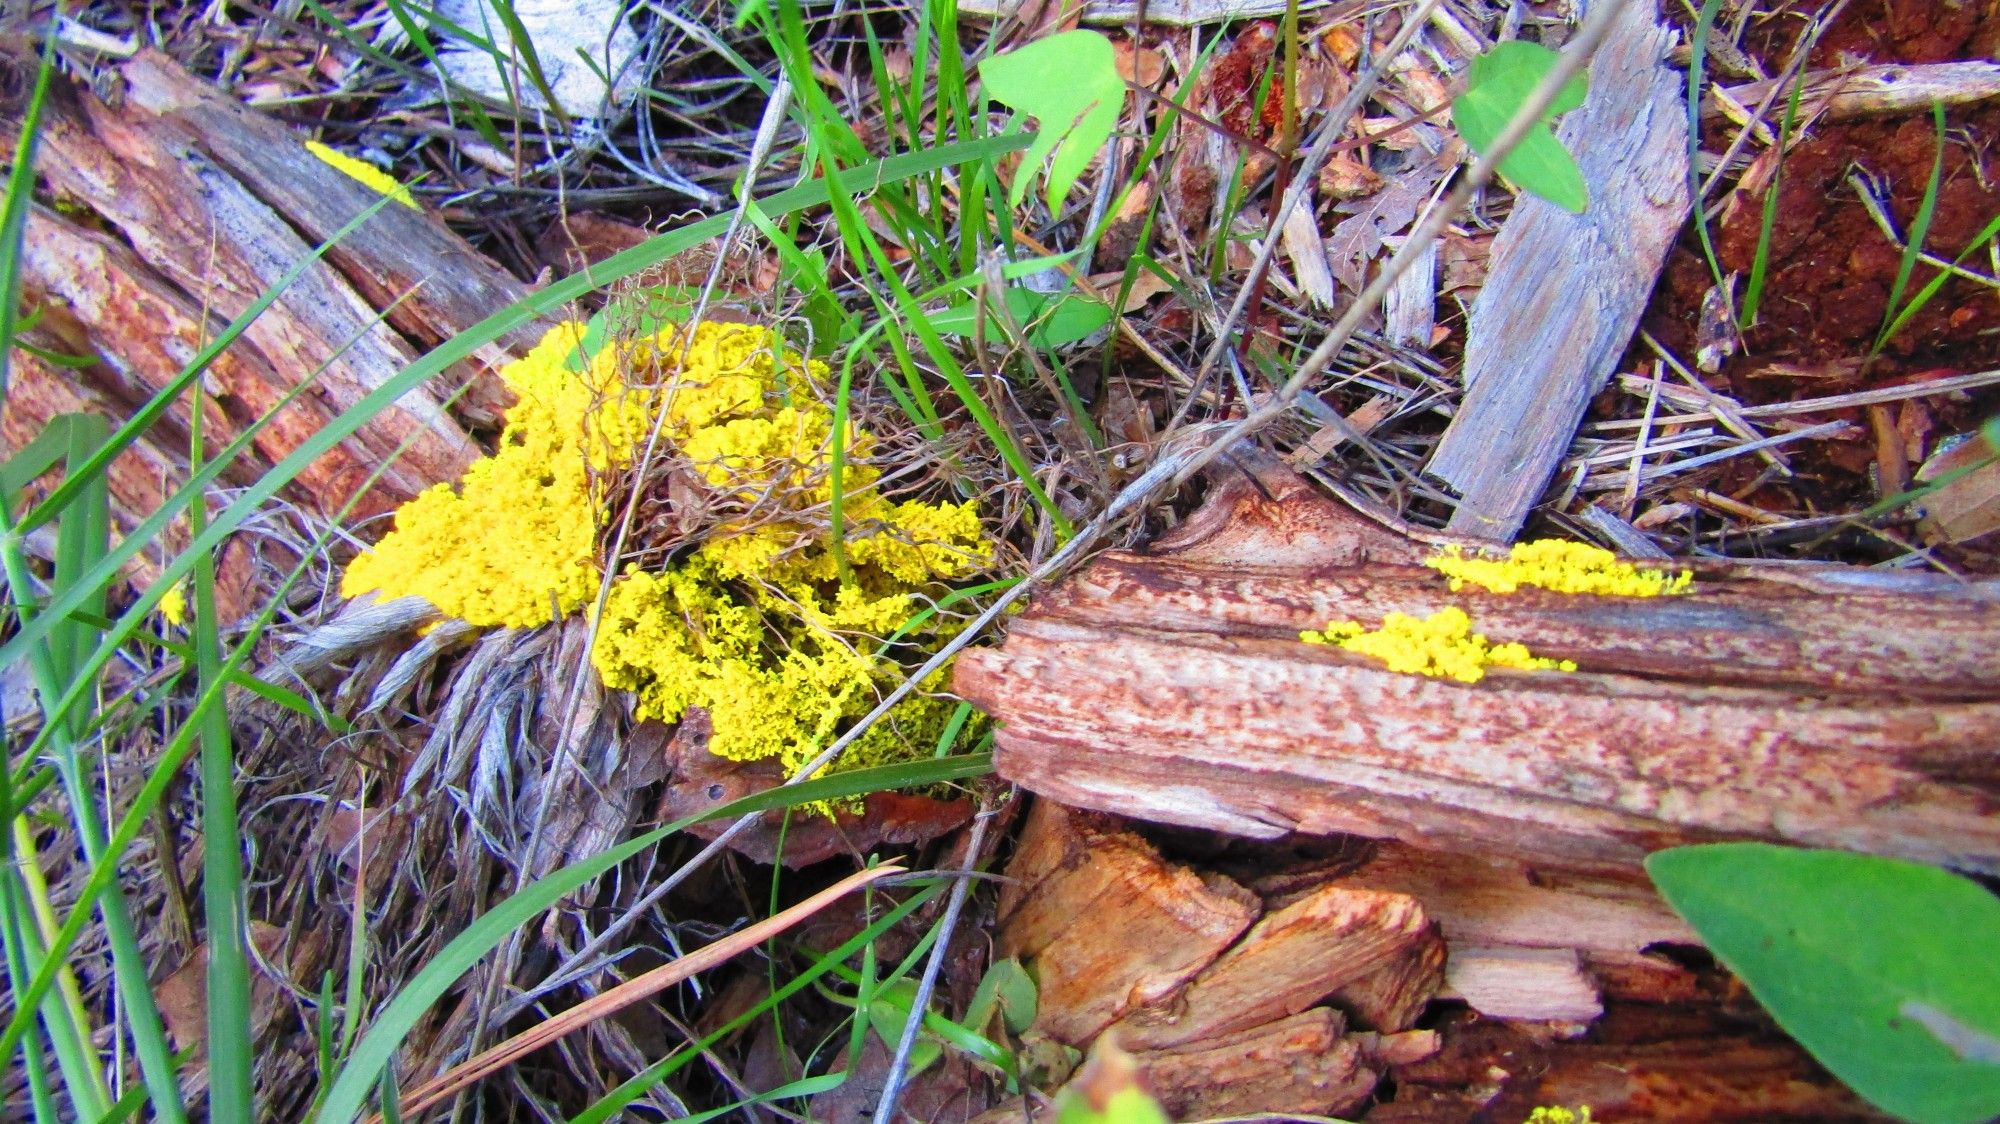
[(432, 283), (191, 246), (1776, 703), (1564, 291)]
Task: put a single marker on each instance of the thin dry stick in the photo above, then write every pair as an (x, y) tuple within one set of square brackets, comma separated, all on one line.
[(633, 990), (892, 1086)]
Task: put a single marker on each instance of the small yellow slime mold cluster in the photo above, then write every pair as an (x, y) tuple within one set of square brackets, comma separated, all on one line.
[(1558, 565), (363, 172), (757, 625), (1441, 645)]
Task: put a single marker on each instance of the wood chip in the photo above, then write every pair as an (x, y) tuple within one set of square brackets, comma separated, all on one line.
[(1565, 291)]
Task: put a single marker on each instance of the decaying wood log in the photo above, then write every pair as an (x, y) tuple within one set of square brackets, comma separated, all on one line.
[(1304, 1009), (1813, 705), (1565, 291), (192, 206)]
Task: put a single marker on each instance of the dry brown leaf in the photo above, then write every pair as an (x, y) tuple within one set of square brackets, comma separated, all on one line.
[(183, 996), (1343, 177), (1308, 254), (1343, 42), (1139, 64), (1358, 239), (1965, 506)]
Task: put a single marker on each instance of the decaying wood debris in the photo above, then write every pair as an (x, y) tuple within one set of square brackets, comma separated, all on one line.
[(1812, 705), (1565, 291), (180, 207), (1288, 980)]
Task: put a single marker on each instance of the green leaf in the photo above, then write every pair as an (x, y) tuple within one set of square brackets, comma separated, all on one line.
[(1498, 82), (1070, 83), (1883, 969), (1007, 987), (887, 1013), (1052, 320)]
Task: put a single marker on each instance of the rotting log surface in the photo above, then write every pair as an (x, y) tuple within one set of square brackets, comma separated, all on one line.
[(1809, 705), (1287, 979), (181, 207)]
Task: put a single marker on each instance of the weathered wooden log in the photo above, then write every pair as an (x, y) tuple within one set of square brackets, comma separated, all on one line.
[(211, 204), (1814, 705)]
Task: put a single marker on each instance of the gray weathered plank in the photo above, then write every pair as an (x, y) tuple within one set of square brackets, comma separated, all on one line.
[(1565, 291)]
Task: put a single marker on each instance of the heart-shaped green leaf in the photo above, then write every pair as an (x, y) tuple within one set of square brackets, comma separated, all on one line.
[(1885, 970), (1070, 83), (1497, 83)]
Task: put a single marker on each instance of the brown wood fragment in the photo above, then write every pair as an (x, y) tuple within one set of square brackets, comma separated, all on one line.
[(188, 207), (1809, 705), (1328, 940), (145, 330), (1542, 984), (432, 283), (213, 239), (1221, 1015), (1677, 1065), (1299, 1064), (1565, 291), (1115, 927)]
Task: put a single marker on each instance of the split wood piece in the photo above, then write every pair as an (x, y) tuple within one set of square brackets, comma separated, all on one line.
[(102, 302), (431, 284), (1812, 705), (1565, 291), (1868, 91), (1219, 995), (211, 200), (136, 479)]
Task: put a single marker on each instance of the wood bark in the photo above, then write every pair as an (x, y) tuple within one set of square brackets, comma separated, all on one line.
[(1808, 705)]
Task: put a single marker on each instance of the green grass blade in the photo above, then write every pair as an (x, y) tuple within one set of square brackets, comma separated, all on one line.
[(940, 354), (82, 536), (863, 942), (231, 1057), (1753, 292), (1704, 25), (524, 50), (105, 870), (372, 1054), (1913, 245), (35, 458), (1924, 295), (19, 200)]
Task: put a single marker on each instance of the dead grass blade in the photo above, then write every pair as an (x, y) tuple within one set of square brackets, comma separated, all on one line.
[(631, 991)]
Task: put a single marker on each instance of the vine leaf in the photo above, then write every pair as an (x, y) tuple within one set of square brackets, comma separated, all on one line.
[(1070, 83), (1883, 969)]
